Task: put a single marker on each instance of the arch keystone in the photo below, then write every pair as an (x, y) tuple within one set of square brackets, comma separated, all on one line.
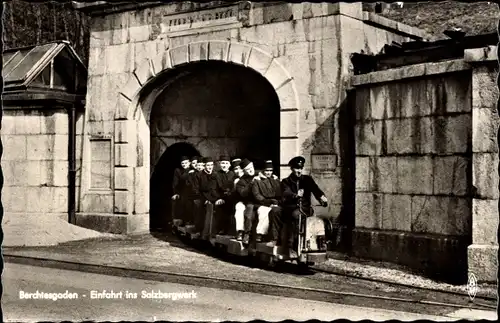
[(238, 53), (144, 72), (218, 50), (179, 55), (198, 51)]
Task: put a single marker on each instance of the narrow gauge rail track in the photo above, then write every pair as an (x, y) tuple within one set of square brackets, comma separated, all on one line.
[(290, 268), (330, 296)]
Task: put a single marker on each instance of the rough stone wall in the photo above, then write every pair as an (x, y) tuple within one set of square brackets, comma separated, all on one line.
[(35, 161), (413, 155), (307, 39)]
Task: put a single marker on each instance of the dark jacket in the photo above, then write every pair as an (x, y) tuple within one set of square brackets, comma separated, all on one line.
[(267, 191), (225, 184), (244, 189), (290, 187), (192, 185), (206, 186), (180, 181)]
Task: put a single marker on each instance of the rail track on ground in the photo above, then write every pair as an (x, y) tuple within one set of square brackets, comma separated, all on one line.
[(419, 305)]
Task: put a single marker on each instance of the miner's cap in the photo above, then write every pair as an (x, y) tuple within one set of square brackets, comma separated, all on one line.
[(297, 162), (245, 163)]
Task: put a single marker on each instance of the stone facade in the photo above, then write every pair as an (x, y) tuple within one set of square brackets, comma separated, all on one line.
[(301, 50), (35, 161), (426, 166)]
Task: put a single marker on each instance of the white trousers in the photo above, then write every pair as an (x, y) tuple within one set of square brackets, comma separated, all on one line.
[(239, 216), (263, 224)]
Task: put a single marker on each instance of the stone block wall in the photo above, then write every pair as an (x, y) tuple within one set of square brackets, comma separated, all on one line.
[(35, 161), (427, 166), (483, 253), (413, 155)]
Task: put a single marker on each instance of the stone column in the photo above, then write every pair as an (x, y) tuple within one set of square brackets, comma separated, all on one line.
[(482, 254)]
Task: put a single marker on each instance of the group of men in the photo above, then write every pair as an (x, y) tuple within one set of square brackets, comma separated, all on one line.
[(235, 194)]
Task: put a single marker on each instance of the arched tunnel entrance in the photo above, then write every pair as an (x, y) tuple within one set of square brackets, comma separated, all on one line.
[(209, 109)]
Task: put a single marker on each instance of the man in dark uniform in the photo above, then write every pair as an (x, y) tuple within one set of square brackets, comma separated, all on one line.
[(225, 183), (244, 197), (267, 194), (297, 187), (197, 215), (180, 190), (206, 189)]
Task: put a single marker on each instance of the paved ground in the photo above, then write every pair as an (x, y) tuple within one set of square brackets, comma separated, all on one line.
[(205, 304), (168, 255)]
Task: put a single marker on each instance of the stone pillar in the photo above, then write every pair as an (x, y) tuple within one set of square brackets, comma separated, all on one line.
[(483, 253)]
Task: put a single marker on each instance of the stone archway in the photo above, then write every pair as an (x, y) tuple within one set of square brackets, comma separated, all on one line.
[(131, 161)]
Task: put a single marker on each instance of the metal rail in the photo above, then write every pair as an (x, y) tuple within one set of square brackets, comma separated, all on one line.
[(329, 296)]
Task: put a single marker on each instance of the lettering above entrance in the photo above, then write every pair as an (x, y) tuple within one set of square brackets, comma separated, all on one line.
[(222, 16)]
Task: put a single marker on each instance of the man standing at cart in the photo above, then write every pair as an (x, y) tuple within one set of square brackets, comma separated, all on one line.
[(194, 197), (297, 190), (206, 189)]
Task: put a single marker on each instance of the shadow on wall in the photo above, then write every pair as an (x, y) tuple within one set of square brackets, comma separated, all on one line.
[(339, 123), (161, 183)]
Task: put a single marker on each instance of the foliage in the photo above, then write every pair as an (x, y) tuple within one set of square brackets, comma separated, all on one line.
[(437, 16), (33, 23)]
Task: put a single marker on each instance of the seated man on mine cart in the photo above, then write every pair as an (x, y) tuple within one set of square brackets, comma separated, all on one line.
[(205, 189), (181, 191), (196, 216), (225, 183), (297, 189), (267, 195), (208, 190), (244, 214)]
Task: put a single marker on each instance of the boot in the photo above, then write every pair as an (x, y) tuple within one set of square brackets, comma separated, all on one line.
[(239, 237), (246, 238)]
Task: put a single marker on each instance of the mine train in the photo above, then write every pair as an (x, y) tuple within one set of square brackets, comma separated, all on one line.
[(310, 244)]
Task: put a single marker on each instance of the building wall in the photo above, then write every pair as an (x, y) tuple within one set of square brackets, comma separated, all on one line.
[(35, 161), (413, 155), (306, 39), (426, 167), (483, 253)]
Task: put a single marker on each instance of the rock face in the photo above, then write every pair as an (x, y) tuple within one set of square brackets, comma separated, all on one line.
[(286, 94)]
